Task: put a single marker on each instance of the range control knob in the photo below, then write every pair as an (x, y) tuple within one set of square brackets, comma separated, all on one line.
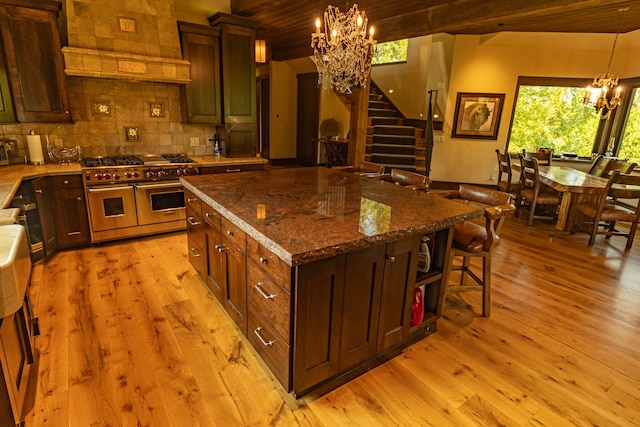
[(128, 174), (150, 175), (116, 176), (186, 172), (106, 175), (136, 174), (98, 176), (161, 174)]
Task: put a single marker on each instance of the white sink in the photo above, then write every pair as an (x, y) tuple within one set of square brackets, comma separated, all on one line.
[(15, 268)]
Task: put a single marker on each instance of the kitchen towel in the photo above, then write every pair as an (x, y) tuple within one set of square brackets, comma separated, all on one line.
[(34, 144)]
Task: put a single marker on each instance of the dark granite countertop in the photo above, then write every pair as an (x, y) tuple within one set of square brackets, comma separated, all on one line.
[(307, 214)]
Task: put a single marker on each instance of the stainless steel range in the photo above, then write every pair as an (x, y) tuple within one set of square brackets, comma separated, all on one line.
[(131, 196)]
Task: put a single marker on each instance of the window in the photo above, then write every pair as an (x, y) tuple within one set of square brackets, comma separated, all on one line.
[(549, 113), (630, 143), (390, 52)]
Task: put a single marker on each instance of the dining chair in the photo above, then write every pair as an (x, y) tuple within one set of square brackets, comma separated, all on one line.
[(601, 166), (509, 184), (538, 199), (407, 179), (619, 202), (543, 157), (470, 239), (628, 167), (364, 168)]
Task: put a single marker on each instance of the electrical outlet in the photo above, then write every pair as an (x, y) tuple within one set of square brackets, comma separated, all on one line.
[(195, 141)]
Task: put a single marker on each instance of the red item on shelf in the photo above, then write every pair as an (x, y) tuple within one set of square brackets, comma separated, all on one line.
[(417, 308)]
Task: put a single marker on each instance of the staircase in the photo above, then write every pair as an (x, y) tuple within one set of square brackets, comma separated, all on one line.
[(389, 141)]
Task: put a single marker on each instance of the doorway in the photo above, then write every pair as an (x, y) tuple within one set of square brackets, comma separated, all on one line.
[(307, 126)]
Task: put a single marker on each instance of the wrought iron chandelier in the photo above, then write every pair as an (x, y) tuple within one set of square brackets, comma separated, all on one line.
[(597, 94), (343, 53)]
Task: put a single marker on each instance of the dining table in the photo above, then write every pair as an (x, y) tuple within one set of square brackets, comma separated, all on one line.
[(574, 185)]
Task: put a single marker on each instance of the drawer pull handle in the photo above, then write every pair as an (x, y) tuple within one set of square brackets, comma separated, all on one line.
[(191, 200), (66, 182), (229, 233), (263, 260), (258, 287), (233, 170), (192, 222), (265, 343), (208, 214), (193, 253), (391, 258), (220, 248)]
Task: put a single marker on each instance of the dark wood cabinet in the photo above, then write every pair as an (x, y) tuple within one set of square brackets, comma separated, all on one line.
[(196, 236), (33, 55), (236, 281), (45, 212), (216, 277), (201, 98), (16, 359), (70, 214)]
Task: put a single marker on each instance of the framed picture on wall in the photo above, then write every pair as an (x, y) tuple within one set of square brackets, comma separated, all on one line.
[(477, 115)]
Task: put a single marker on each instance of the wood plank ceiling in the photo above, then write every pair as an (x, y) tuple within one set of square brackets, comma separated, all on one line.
[(287, 25)]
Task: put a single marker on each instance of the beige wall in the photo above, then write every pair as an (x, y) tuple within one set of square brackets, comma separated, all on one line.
[(283, 121), (493, 64)]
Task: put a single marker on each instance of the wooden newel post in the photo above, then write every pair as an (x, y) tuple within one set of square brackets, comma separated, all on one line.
[(358, 125)]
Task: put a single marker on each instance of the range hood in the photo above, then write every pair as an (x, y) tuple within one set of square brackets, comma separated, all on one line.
[(84, 62), (121, 40)]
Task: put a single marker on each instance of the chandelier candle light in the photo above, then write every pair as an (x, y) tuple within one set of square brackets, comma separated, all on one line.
[(343, 54), (596, 94)]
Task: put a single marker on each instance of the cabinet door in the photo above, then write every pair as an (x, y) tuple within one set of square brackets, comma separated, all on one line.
[(201, 97), (70, 211), (6, 106), (34, 62), (239, 74), (240, 140), (216, 262), (319, 294), (401, 261), (361, 307), (236, 302), (43, 202)]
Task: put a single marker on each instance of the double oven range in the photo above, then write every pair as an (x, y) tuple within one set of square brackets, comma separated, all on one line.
[(131, 196)]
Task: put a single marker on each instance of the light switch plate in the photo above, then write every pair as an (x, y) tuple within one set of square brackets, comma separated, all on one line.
[(195, 141)]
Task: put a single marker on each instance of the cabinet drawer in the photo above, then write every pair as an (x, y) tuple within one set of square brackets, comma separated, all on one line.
[(271, 348), (234, 234), (267, 260), (197, 258), (192, 203), (59, 182), (196, 230), (204, 170), (211, 216), (270, 300)]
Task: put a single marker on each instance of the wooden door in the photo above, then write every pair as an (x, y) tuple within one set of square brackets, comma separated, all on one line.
[(264, 101), (43, 202), (397, 291), (236, 281), (34, 62), (238, 74), (308, 109), (201, 98), (361, 305), (70, 211), (6, 105), (318, 322), (216, 266)]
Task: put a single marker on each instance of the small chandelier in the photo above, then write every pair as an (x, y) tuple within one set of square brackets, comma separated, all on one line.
[(343, 53), (596, 95)]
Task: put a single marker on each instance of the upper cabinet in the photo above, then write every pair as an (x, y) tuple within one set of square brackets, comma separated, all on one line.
[(33, 56), (201, 99), (223, 82), (6, 106)]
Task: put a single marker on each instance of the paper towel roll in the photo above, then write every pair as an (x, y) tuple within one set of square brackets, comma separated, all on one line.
[(34, 144)]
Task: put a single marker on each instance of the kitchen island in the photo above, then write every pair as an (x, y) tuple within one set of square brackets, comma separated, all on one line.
[(319, 268)]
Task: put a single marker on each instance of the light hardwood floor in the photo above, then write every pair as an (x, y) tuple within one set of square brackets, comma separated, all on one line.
[(130, 337)]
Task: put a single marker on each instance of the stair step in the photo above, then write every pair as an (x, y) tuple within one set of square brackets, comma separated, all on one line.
[(394, 130), (410, 168), (376, 121), (383, 112), (379, 105), (393, 149), (394, 139), (393, 159)]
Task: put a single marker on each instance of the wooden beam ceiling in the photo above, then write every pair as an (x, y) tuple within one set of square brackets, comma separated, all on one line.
[(287, 25)]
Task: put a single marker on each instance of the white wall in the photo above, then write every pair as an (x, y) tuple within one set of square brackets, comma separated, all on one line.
[(493, 63)]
